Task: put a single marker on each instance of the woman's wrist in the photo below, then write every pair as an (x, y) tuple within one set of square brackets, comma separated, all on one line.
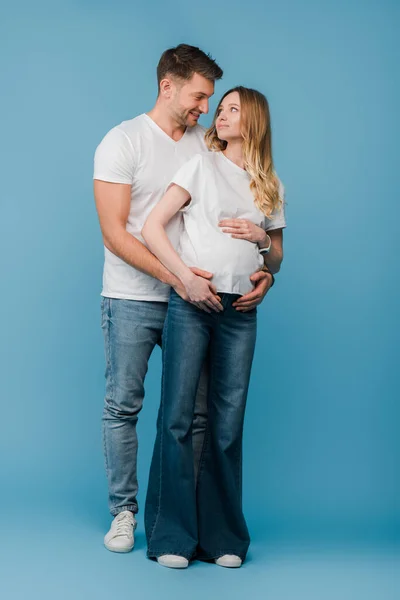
[(186, 277), (265, 241)]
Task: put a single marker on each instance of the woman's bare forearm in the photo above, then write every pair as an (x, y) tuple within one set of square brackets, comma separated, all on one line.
[(273, 260), (157, 240)]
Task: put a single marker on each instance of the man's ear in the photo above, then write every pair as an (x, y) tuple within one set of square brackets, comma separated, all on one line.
[(166, 88)]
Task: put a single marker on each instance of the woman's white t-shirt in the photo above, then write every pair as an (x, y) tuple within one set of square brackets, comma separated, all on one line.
[(219, 189)]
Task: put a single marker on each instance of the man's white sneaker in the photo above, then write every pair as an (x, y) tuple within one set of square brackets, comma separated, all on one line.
[(120, 538), (172, 561), (229, 560)]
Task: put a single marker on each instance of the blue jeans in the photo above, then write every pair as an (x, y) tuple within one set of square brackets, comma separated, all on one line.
[(203, 521), (131, 331)]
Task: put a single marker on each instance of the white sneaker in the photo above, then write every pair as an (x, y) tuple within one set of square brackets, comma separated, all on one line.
[(172, 561), (120, 537), (229, 560)]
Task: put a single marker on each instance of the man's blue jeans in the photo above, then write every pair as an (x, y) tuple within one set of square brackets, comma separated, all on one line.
[(206, 520), (131, 331)]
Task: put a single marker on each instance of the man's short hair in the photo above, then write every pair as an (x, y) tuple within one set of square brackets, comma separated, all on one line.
[(184, 60)]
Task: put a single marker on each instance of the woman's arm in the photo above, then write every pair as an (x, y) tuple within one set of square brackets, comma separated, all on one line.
[(243, 229), (261, 280), (200, 291), (273, 259)]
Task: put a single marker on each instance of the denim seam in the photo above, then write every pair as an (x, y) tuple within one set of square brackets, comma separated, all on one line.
[(107, 315), (106, 325), (165, 334), (203, 452), (207, 430)]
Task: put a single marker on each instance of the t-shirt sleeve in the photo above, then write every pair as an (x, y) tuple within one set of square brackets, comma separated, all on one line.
[(278, 219), (114, 159), (188, 177)]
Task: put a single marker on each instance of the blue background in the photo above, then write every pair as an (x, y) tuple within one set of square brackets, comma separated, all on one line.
[(321, 441)]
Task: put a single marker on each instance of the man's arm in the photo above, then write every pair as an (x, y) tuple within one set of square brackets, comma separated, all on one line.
[(113, 202)]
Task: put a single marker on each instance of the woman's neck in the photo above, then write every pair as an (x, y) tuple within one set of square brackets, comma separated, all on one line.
[(233, 151)]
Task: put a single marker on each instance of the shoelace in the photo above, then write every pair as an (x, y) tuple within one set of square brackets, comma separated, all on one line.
[(124, 525)]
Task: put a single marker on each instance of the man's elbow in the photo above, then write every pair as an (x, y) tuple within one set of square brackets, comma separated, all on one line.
[(112, 237), (109, 244)]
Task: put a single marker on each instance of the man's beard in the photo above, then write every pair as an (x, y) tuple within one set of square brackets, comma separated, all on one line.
[(181, 116)]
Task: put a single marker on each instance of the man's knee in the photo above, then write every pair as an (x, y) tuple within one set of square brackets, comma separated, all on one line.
[(123, 406)]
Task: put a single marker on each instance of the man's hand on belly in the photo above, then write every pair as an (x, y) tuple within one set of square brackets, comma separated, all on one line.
[(262, 282)]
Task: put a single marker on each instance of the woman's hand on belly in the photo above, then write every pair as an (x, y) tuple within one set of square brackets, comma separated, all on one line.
[(243, 229), (202, 293)]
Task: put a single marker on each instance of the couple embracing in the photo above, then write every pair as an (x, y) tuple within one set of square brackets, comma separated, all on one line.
[(192, 226)]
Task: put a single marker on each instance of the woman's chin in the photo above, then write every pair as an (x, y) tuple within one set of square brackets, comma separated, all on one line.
[(222, 136)]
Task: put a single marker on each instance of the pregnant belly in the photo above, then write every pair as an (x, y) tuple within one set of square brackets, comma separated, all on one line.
[(237, 257)]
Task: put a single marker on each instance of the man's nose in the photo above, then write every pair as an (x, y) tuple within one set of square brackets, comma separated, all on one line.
[(204, 106)]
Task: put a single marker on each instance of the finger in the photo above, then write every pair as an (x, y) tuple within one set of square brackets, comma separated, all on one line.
[(213, 289), (262, 285), (250, 297), (203, 306), (241, 236), (237, 229), (201, 273), (247, 305), (213, 303), (259, 275), (246, 309), (231, 222), (230, 227)]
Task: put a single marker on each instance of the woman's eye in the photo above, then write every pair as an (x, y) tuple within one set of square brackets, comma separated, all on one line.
[(233, 108)]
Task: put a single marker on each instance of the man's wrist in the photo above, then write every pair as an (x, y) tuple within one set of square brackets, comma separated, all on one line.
[(266, 269), (168, 278)]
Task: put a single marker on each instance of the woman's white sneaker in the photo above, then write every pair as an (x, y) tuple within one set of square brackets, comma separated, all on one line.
[(229, 560), (120, 538), (172, 561)]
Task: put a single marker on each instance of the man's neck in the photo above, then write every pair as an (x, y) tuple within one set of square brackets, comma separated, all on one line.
[(166, 122)]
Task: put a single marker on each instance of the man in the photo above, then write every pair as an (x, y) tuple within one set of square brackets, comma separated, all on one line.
[(133, 164)]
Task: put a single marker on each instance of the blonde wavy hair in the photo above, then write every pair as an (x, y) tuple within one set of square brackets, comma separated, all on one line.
[(255, 123)]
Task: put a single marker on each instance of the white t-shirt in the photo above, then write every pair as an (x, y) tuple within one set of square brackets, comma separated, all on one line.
[(219, 189), (138, 152)]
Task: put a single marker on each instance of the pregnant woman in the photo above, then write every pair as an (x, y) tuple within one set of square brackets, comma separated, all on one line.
[(230, 198)]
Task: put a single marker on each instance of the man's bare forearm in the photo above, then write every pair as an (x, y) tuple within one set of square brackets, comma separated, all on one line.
[(133, 252)]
